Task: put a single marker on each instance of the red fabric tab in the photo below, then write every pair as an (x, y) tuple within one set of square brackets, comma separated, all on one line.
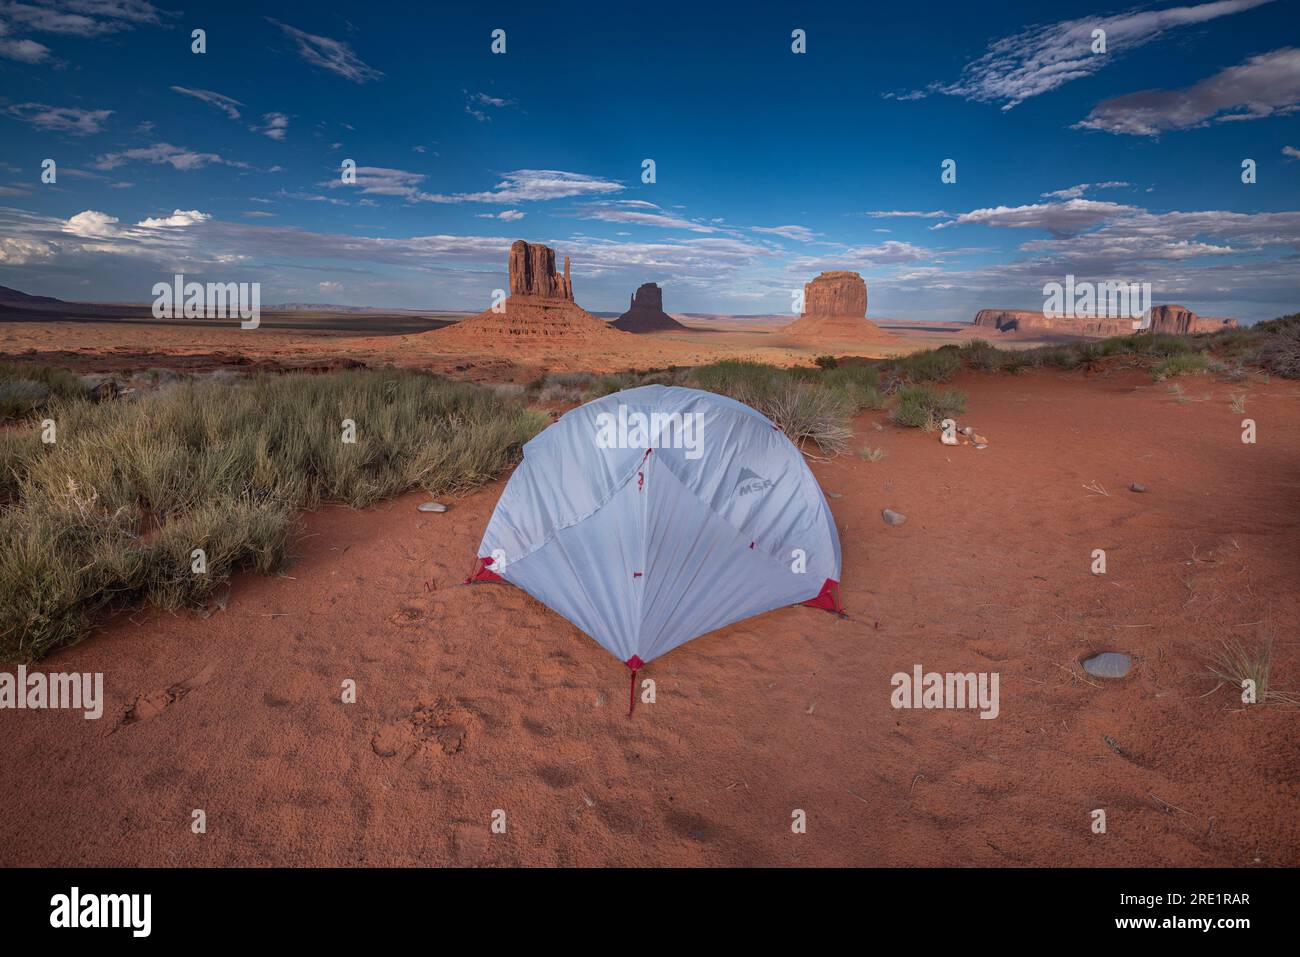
[(484, 574), (828, 597)]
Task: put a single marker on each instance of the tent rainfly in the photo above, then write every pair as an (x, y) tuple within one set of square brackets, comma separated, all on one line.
[(652, 516)]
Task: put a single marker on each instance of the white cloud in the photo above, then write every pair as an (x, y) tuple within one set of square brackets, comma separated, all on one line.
[(60, 119), (476, 105), (1059, 219), (638, 212), (333, 55), (1076, 192), (92, 224), (225, 104), (276, 125), (506, 215), (17, 251), (530, 185), (798, 233), (1265, 85), (1044, 57), (906, 213), (79, 18), (180, 217), (22, 50), (177, 157), (1291, 151)]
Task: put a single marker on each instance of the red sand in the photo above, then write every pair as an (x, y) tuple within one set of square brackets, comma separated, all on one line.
[(478, 698)]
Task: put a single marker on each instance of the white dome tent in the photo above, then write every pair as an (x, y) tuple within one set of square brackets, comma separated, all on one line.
[(652, 516)]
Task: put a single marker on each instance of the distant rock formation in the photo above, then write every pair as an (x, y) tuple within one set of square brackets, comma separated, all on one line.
[(645, 313), (836, 293), (1178, 320), (532, 273), (835, 310), (540, 308), (1182, 321), (14, 295)]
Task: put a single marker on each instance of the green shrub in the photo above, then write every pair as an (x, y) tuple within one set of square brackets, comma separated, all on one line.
[(922, 407), (1179, 365), (935, 365), (749, 382), (981, 355)]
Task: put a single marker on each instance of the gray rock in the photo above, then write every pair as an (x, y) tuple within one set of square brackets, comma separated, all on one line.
[(431, 507), (893, 518), (1135, 487), (1108, 664)]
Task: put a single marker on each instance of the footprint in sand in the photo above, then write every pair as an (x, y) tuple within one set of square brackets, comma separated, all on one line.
[(469, 844), (409, 614), (154, 703), (440, 728)]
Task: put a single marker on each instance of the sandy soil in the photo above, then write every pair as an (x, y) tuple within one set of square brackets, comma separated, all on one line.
[(478, 698), (143, 343)]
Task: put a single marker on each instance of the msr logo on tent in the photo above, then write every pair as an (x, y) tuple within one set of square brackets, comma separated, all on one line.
[(658, 430), (750, 483)]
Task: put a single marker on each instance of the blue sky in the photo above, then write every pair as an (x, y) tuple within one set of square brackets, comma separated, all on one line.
[(770, 165)]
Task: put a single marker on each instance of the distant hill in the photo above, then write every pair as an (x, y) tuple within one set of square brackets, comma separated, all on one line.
[(14, 296), (318, 307)]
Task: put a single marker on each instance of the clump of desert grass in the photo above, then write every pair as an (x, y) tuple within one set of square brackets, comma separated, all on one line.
[(112, 512), (1279, 352), (870, 453), (983, 356), (28, 389), (1235, 663), (932, 365), (1176, 365), (923, 407), (812, 406)]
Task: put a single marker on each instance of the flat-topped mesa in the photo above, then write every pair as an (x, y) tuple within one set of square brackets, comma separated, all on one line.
[(1177, 320), (645, 312), (533, 275), (1182, 321), (835, 293), (835, 313)]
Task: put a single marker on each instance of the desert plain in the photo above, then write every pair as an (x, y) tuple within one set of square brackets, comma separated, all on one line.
[(477, 699)]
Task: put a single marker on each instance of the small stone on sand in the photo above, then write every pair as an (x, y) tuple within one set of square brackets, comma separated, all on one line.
[(893, 518), (1135, 487), (432, 507), (1108, 664)]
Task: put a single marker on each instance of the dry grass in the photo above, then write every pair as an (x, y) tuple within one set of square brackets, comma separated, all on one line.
[(1235, 663), (112, 512)]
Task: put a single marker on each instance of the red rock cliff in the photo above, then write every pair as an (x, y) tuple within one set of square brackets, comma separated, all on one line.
[(532, 273), (835, 293)]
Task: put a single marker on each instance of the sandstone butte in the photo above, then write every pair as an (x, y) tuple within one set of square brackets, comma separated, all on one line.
[(645, 313), (1178, 320), (835, 310), (540, 308)]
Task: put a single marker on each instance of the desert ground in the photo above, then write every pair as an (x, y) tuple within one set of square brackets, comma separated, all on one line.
[(128, 337), (473, 699)]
